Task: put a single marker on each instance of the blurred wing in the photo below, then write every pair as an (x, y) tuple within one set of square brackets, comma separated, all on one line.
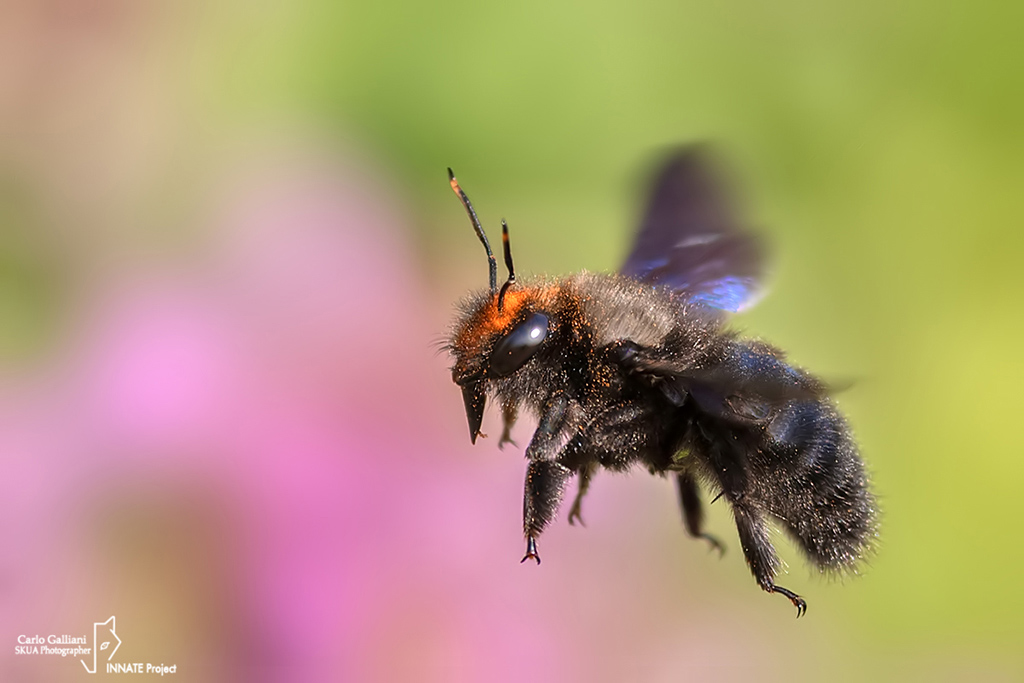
[(690, 240)]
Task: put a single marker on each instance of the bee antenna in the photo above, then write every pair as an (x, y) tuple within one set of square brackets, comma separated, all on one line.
[(508, 264), (491, 263)]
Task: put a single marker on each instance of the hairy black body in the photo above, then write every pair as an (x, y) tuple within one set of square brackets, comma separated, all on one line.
[(620, 371)]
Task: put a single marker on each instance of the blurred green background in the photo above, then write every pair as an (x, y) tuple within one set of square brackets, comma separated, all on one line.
[(880, 146)]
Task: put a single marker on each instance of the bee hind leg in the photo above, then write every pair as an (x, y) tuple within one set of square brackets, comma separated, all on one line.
[(693, 514), (760, 554)]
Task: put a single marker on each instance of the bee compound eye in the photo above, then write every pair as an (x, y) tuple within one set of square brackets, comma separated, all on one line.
[(516, 347)]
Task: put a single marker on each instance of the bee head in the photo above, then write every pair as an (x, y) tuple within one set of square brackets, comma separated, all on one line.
[(500, 331)]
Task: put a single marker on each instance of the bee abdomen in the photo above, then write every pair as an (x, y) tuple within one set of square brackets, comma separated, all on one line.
[(823, 500)]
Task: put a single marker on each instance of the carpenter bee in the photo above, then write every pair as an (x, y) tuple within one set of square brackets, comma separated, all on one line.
[(639, 368)]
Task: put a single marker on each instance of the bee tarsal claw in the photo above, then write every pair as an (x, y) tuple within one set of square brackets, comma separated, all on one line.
[(531, 551)]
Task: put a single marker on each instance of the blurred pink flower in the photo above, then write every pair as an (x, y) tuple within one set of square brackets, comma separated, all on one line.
[(291, 373)]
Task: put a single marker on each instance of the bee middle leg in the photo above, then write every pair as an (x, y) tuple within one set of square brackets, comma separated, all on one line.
[(586, 473), (693, 514), (760, 553), (545, 483)]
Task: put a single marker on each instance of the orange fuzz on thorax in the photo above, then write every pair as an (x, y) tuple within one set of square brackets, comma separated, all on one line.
[(489, 322)]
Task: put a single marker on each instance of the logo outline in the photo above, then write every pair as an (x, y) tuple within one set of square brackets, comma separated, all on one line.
[(96, 646)]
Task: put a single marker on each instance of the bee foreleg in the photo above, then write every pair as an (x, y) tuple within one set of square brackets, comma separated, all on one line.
[(586, 473), (693, 515), (509, 413), (760, 554), (560, 420), (545, 483)]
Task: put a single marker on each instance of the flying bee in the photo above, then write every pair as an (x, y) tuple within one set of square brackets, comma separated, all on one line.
[(639, 368)]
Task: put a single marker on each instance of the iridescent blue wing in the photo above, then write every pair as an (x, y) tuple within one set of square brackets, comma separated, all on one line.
[(691, 241)]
